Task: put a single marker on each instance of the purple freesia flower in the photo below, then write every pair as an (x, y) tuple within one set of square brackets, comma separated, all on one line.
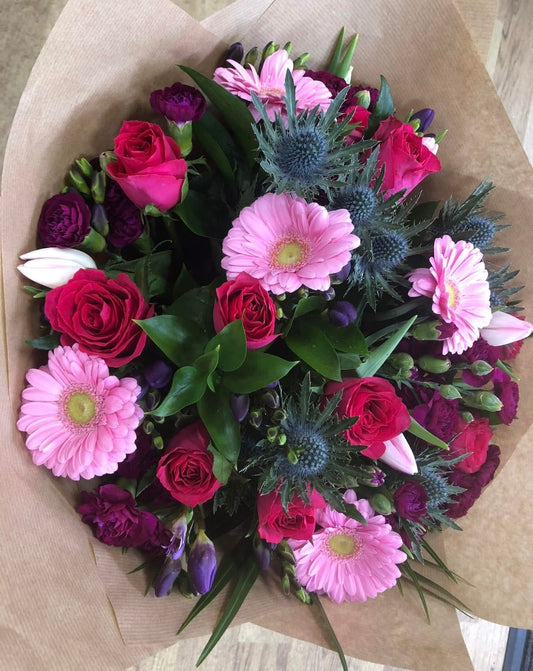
[(342, 313), (125, 223), (425, 116), (65, 220), (202, 564), (178, 103), (158, 374)]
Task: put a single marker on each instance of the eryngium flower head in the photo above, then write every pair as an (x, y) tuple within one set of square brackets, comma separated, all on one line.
[(360, 201)]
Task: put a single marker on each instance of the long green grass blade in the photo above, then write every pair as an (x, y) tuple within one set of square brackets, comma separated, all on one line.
[(377, 357), (247, 577), (338, 648)]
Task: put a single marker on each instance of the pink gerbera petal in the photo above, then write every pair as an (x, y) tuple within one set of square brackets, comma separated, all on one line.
[(79, 420), (457, 283), (285, 243), (269, 85), (346, 560)]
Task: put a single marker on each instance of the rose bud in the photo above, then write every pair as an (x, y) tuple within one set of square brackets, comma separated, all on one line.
[(342, 313), (52, 266), (202, 563), (65, 221), (158, 374)]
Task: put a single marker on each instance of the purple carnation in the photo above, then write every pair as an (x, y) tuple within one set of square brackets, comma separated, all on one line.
[(480, 351), (439, 415), (178, 103), (65, 221), (125, 223), (115, 519), (410, 500), (508, 393), (336, 84), (138, 462), (472, 483)]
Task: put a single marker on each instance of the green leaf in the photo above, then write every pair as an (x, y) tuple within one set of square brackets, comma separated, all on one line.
[(188, 386), (196, 305), (217, 144), (146, 480), (232, 342), (247, 577), (383, 109), (346, 339), (215, 412), (46, 342), (377, 357), (181, 340), (336, 643), (233, 110), (310, 344), (308, 304), (200, 215), (184, 282), (207, 363), (222, 468), (349, 361), (418, 430), (257, 371)]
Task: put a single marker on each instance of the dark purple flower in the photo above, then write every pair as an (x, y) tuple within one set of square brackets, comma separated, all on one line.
[(410, 500), (138, 462), (240, 404), (158, 374), (202, 564), (480, 351), (472, 483), (425, 116), (235, 52), (342, 313), (178, 103), (508, 393), (439, 415), (115, 519), (125, 223), (65, 221), (342, 275), (336, 84)]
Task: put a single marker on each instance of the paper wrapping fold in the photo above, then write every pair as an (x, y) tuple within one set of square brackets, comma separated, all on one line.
[(55, 612)]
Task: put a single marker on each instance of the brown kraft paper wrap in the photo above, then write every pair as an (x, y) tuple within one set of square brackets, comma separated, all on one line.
[(68, 602)]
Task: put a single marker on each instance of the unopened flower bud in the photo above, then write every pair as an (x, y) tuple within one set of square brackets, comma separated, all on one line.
[(401, 361), (184, 585), (181, 133), (152, 399), (303, 595), (342, 275), (256, 418), (167, 576), (148, 427), (270, 49), (426, 331), (288, 569), (235, 52), (98, 186), (285, 584), (484, 400), (282, 439), (54, 266), (99, 220), (299, 63), (107, 157), (285, 552), (330, 294), (433, 364), (481, 368), (251, 56), (272, 433), (261, 552), (279, 415), (381, 504), (84, 167), (157, 442), (158, 374), (270, 399), (363, 98), (342, 314), (179, 534), (78, 182), (202, 563), (467, 417), (449, 392), (240, 404), (425, 117), (287, 47)]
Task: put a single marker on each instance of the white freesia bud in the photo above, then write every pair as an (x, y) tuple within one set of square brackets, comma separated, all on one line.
[(429, 143), (398, 455), (54, 266)]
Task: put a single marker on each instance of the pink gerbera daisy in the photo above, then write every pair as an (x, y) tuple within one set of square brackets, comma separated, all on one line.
[(269, 86), (285, 243), (457, 283), (346, 560), (80, 420)]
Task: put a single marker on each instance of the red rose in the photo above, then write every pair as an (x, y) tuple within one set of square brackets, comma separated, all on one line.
[(97, 312), (406, 159), (474, 437), (244, 298), (359, 120), (186, 468), (149, 168), (382, 415), (299, 523)]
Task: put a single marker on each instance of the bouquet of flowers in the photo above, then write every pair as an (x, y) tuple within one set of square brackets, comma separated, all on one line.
[(259, 329), (265, 334)]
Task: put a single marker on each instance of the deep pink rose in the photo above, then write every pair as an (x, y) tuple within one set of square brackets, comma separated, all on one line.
[(115, 519), (97, 312), (359, 120), (299, 523), (474, 437), (382, 415), (186, 468), (149, 167), (244, 298), (406, 159)]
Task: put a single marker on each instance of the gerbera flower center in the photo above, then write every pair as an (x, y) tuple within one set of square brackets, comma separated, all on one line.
[(80, 407), (452, 292), (271, 91), (289, 253), (343, 545)]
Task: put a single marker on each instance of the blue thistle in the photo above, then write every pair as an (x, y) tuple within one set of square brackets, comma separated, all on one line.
[(301, 156), (309, 445), (436, 487), (388, 251), (477, 230), (360, 201)]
